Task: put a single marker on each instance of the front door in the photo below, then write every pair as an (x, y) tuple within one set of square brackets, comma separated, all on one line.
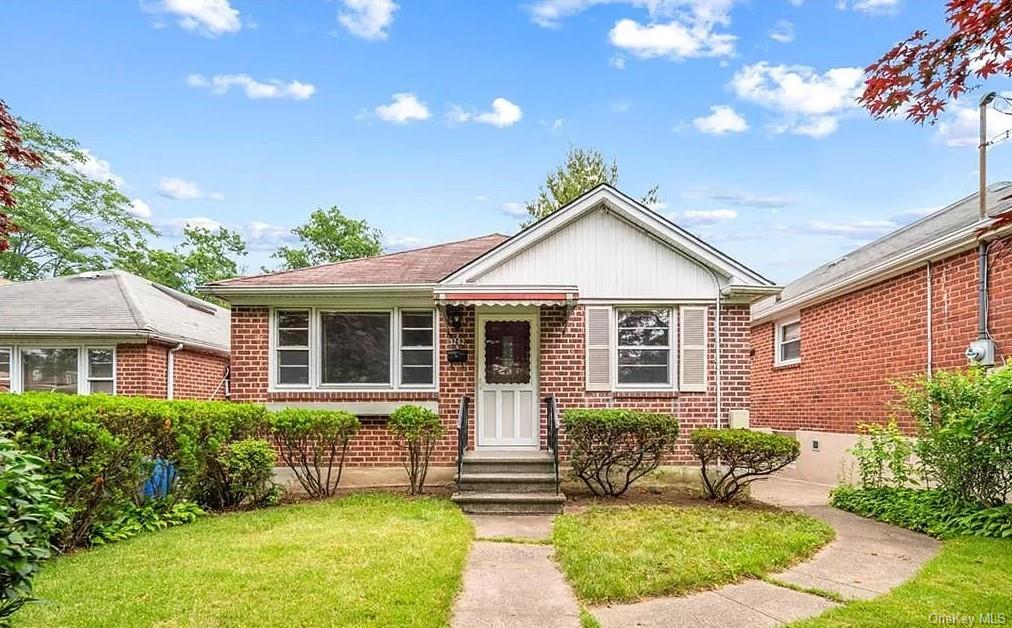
[(508, 381)]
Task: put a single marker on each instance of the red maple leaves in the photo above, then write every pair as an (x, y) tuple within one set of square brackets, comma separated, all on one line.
[(922, 75), (13, 150)]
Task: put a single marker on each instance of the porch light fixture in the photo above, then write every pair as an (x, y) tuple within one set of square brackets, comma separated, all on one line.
[(455, 316)]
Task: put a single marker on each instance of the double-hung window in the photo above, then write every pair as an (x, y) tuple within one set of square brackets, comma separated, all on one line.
[(417, 348), (292, 348), (102, 371), (5, 368), (644, 347), (788, 342)]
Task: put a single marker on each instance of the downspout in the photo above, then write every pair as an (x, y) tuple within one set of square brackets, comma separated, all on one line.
[(982, 295), (716, 350), (930, 301), (170, 372)]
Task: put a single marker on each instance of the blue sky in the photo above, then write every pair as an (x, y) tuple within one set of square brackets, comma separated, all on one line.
[(435, 119)]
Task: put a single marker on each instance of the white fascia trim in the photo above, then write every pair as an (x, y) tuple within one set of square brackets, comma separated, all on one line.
[(487, 288), (669, 233), (941, 248), (323, 289), (114, 336)]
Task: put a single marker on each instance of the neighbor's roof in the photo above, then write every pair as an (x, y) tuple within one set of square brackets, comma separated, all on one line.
[(114, 303), (417, 266), (887, 254)]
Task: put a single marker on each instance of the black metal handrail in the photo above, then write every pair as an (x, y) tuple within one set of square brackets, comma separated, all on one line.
[(462, 433), (553, 434)]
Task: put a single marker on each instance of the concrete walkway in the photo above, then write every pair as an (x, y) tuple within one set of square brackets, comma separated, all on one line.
[(514, 584), (866, 559)]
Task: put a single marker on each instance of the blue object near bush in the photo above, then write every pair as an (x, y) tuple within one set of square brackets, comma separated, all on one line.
[(163, 477)]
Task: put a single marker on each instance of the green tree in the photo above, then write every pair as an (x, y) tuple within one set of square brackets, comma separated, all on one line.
[(329, 236), (67, 222), (584, 170), (202, 257)]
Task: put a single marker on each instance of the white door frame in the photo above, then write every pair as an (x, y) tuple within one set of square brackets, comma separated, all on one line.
[(483, 441)]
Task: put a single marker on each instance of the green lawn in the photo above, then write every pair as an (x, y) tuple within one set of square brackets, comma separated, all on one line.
[(969, 577), (626, 553), (373, 559)]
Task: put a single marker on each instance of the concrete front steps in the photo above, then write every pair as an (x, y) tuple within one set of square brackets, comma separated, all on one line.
[(508, 483)]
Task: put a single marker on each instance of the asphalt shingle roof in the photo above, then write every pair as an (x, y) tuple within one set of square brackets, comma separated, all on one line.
[(417, 266), (113, 302)]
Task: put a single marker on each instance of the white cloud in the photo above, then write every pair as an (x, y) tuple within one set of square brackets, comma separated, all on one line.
[(742, 199), (722, 119), (503, 114), (481, 198), (553, 126), (675, 39), (368, 19), (181, 189), (272, 88), (95, 169), (959, 127), (206, 17), (658, 206), (402, 243), (517, 210), (139, 208), (782, 32), (698, 217), (405, 108), (810, 102), (872, 7), (855, 230), (173, 227)]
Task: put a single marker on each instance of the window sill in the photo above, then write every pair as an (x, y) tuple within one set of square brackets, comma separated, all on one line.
[(645, 394), (787, 365)]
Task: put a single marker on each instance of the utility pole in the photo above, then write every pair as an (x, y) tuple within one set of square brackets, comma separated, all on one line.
[(982, 191)]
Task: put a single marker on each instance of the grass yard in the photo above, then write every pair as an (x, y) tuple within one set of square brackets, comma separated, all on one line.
[(627, 553), (970, 578), (372, 559)]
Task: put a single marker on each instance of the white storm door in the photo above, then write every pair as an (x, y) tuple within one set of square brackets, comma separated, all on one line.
[(508, 381)]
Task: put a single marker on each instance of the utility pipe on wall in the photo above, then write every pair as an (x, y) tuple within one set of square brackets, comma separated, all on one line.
[(930, 300), (170, 371), (982, 296)]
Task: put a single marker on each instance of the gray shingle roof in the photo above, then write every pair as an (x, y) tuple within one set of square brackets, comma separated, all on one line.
[(111, 302), (959, 215)]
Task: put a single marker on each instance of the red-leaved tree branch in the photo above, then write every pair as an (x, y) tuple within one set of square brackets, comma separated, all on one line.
[(921, 75), (14, 152)]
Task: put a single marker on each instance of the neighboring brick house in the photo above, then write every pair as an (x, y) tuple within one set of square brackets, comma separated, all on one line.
[(111, 332), (603, 303), (826, 351)]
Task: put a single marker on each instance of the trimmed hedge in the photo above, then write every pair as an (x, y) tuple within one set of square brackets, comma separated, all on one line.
[(743, 456), (98, 450), (612, 448), (418, 429), (930, 511), (312, 439)]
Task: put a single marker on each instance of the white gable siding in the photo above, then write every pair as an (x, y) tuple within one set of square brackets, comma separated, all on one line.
[(605, 258)]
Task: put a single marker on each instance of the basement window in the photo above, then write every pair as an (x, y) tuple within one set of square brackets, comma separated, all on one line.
[(788, 342)]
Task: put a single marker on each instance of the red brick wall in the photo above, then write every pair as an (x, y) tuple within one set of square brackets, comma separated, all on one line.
[(561, 364), (853, 346), (141, 371)]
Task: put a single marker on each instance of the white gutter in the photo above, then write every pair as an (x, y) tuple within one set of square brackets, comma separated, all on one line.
[(951, 243), (114, 334), (170, 372)]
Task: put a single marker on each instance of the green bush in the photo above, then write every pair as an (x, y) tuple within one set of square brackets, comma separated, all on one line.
[(930, 511), (147, 517), (30, 514), (249, 465), (732, 459), (98, 450), (883, 455), (964, 432), (612, 448), (312, 439), (418, 430)]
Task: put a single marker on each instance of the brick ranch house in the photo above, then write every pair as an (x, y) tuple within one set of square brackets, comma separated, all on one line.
[(604, 303), (827, 349), (111, 332)]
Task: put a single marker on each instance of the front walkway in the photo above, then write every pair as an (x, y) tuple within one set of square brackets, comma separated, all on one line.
[(518, 584)]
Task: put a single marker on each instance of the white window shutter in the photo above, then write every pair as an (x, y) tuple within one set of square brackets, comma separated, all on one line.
[(692, 348), (598, 355)]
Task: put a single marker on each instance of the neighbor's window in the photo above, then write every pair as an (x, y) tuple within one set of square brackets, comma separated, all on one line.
[(644, 347), (292, 347), (5, 368), (101, 371), (789, 342), (356, 347), (49, 370), (417, 348)]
